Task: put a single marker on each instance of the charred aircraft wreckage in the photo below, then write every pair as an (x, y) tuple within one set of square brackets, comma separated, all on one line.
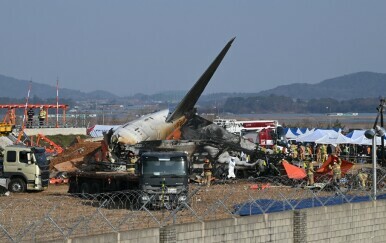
[(183, 130)]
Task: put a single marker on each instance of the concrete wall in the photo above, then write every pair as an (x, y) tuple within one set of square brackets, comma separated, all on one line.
[(359, 222), (56, 131), (263, 228)]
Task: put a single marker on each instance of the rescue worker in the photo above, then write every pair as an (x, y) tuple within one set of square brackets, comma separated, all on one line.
[(302, 152), (309, 152), (276, 149), (262, 167), (336, 170), (318, 156), (346, 151), (30, 117), (231, 168), (294, 150), (284, 150), (42, 116), (310, 173), (338, 150), (362, 176), (264, 150), (323, 151), (207, 172)]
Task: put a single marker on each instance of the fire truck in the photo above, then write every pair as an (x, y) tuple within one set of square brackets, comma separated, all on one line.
[(263, 132)]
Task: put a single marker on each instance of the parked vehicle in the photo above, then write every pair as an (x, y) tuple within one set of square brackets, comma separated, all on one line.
[(160, 178), (25, 168)]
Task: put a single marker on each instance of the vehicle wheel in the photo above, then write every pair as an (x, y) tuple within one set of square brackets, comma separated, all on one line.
[(95, 188), (17, 185), (85, 189)]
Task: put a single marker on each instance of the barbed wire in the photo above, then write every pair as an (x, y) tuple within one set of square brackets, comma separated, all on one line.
[(63, 216)]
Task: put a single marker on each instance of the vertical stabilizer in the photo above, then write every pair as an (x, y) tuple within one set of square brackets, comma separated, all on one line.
[(191, 98)]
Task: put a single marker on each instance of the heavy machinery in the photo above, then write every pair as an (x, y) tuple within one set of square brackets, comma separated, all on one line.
[(160, 178), (5, 128), (51, 147), (24, 168), (163, 178)]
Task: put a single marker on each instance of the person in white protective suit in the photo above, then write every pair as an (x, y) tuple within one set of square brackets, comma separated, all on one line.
[(231, 168)]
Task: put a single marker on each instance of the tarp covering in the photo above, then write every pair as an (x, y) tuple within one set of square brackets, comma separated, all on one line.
[(293, 171), (269, 205), (345, 166)]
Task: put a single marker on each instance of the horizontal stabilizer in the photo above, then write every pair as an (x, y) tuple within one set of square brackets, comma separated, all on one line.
[(191, 98)]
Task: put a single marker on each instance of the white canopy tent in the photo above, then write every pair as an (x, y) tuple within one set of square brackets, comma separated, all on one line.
[(318, 134), (290, 135), (322, 136), (365, 141), (357, 134), (338, 139)]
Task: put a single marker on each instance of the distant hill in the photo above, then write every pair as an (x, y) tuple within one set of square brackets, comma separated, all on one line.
[(351, 86), (15, 88)]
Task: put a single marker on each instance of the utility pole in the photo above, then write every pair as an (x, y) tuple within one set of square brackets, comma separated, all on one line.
[(382, 103), (380, 114)]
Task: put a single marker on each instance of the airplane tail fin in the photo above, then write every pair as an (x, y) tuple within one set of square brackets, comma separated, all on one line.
[(191, 98)]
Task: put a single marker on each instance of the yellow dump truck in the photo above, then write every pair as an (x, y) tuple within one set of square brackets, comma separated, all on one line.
[(5, 129)]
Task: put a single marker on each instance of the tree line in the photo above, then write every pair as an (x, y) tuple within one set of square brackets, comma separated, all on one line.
[(283, 104)]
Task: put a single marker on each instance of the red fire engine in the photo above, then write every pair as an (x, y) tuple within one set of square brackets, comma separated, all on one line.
[(263, 132)]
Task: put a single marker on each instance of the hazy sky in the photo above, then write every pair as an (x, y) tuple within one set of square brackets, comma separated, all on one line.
[(128, 47)]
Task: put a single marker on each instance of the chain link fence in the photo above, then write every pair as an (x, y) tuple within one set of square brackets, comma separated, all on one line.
[(28, 217)]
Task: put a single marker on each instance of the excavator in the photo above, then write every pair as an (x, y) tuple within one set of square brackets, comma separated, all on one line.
[(50, 146)]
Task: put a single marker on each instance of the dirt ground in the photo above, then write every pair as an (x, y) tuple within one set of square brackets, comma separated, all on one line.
[(55, 214)]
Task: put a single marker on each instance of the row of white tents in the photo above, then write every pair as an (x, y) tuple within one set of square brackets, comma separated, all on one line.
[(329, 136)]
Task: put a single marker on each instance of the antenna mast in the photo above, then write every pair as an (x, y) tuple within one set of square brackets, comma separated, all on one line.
[(57, 102), (25, 113)]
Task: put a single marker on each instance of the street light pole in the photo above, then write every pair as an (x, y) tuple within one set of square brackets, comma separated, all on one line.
[(372, 134), (374, 160)]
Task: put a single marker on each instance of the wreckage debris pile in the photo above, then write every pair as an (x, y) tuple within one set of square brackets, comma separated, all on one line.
[(79, 153)]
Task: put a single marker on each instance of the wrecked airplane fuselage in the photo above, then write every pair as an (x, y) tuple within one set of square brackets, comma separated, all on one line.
[(197, 135), (158, 125)]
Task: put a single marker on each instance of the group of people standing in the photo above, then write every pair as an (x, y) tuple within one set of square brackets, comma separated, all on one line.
[(318, 152), (309, 156), (41, 116), (335, 167)]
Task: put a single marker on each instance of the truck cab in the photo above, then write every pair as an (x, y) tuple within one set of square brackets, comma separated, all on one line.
[(163, 178), (26, 168)]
